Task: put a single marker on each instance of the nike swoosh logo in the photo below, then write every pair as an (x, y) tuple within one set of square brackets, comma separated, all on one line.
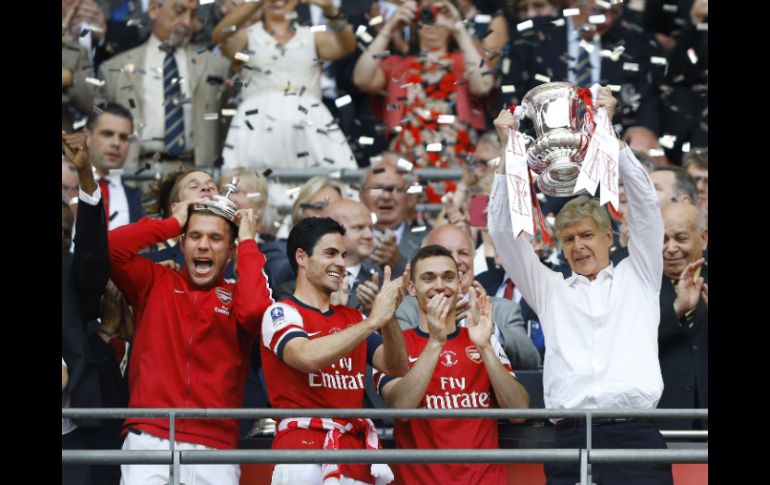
[(181, 292), (412, 360), (312, 334)]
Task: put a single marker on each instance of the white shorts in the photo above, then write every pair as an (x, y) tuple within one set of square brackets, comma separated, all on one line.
[(159, 474), (309, 474)]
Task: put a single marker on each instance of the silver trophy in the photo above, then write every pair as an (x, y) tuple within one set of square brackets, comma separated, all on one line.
[(221, 205), (560, 146)]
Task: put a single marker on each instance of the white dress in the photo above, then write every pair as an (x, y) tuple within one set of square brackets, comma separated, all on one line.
[(282, 123)]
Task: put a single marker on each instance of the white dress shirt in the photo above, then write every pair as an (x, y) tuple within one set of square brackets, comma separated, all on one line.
[(153, 110), (398, 232), (601, 335), (353, 270)]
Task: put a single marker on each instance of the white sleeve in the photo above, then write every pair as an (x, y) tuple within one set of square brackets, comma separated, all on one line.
[(501, 355), (280, 324)]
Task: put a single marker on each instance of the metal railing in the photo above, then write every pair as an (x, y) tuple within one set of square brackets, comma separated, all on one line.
[(585, 456)]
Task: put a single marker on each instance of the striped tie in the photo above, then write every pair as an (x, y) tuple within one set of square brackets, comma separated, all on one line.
[(172, 97), (583, 68)]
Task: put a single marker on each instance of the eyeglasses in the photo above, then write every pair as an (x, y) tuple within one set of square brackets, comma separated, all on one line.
[(393, 189), (316, 205)]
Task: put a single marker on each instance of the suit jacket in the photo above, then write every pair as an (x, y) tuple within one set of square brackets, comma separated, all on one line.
[(364, 275), (683, 354), (542, 50), (126, 88), (349, 8), (94, 376), (507, 317), (134, 198), (408, 246), (81, 94)]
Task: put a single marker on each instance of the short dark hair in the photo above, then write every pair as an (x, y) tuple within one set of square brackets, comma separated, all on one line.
[(429, 251), (685, 184), (111, 108), (306, 234), (698, 157)]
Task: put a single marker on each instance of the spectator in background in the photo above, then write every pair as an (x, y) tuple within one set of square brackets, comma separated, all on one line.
[(169, 116), (77, 94), (109, 130), (683, 335), (674, 184), (70, 184), (643, 140), (361, 282), (696, 162), (384, 192), (281, 117), (430, 113), (313, 196)]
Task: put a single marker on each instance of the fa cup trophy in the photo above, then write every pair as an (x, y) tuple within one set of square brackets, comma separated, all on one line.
[(560, 145)]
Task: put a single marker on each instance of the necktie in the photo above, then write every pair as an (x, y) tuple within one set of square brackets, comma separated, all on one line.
[(104, 185), (583, 68), (351, 280), (508, 292), (172, 97)]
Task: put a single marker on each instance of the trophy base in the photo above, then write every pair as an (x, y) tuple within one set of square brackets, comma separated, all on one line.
[(559, 179)]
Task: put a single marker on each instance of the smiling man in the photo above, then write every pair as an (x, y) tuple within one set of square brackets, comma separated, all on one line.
[(194, 331), (314, 355), (601, 323)]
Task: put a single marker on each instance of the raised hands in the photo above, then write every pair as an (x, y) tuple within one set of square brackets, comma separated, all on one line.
[(390, 297), (689, 289), (367, 291), (481, 328), (386, 252), (247, 224), (504, 122), (438, 309)]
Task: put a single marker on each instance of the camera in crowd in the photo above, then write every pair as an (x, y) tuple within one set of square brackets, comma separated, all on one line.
[(426, 14)]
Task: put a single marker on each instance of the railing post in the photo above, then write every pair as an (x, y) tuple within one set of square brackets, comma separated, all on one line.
[(174, 470)]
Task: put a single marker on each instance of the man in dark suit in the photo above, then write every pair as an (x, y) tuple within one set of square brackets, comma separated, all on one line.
[(582, 52), (109, 131), (94, 376), (383, 191), (683, 332), (361, 281)]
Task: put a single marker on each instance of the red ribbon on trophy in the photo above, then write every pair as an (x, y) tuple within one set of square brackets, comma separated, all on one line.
[(600, 163)]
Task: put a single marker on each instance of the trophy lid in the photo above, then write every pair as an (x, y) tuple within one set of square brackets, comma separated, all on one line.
[(221, 205)]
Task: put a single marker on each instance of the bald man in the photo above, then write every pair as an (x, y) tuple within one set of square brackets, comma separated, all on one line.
[(683, 331), (645, 140), (510, 327), (359, 243)]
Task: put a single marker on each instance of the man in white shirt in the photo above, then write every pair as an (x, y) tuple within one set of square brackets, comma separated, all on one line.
[(109, 131), (601, 323)]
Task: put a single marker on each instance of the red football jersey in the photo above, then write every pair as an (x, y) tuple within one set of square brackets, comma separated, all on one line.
[(460, 380), (340, 385)]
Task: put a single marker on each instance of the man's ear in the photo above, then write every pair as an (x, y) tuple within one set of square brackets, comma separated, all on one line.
[(411, 289), (301, 257)]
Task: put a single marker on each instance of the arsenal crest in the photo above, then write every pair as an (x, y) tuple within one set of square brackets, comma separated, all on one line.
[(225, 296), (473, 353)]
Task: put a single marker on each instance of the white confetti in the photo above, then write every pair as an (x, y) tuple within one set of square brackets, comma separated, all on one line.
[(337, 174), (446, 119), (702, 26), (630, 66), (343, 100), (365, 140), (686, 147), (433, 147), (527, 24), (508, 88), (660, 61), (291, 193), (206, 2), (603, 4), (376, 20), (318, 28), (362, 34), (670, 8), (414, 189), (73, 201), (692, 55), (506, 67), (615, 88), (420, 229), (570, 12), (405, 164), (79, 124), (667, 141), (482, 19), (211, 116), (656, 152), (587, 46), (558, 22), (374, 218), (240, 56), (597, 19), (228, 112), (542, 78), (94, 81)]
